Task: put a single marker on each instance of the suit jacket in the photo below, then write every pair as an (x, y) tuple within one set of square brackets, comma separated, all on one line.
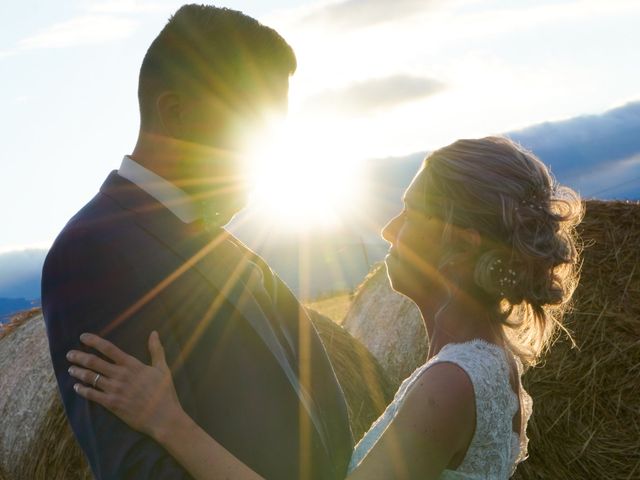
[(247, 363)]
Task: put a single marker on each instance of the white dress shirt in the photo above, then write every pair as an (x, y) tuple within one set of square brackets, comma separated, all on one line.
[(176, 200)]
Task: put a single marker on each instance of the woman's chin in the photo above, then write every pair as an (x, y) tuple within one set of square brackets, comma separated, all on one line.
[(393, 279), (388, 263), (400, 282)]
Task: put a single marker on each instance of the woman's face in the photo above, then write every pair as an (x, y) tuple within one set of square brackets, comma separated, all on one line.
[(416, 246)]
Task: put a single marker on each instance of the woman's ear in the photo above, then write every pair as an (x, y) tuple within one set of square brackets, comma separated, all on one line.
[(169, 108), (465, 240), (470, 238)]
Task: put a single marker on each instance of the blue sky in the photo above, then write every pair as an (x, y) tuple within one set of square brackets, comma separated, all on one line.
[(375, 78)]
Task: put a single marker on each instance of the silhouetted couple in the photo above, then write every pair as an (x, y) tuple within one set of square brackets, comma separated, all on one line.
[(234, 381)]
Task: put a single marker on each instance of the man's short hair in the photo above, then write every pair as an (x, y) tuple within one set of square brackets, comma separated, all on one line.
[(205, 49)]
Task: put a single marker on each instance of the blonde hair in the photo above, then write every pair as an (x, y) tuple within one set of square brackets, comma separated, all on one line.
[(527, 265)]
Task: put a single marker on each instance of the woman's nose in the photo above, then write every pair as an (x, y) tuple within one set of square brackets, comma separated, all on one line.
[(390, 229)]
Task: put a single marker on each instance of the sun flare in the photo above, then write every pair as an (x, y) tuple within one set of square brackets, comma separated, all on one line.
[(298, 183)]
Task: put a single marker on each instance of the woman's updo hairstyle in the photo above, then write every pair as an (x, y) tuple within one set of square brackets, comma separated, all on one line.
[(527, 264)]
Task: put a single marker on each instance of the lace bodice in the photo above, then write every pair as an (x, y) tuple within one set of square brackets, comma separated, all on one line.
[(495, 448)]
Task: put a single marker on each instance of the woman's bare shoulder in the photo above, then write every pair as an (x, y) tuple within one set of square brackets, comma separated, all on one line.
[(441, 406), (445, 388)]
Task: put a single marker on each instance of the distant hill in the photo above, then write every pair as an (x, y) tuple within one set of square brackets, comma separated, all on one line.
[(20, 272), (10, 306)]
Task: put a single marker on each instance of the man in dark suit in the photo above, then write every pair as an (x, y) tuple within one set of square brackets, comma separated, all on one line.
[(148, 252)]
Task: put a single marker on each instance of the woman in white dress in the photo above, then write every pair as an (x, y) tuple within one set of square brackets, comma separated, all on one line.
[(485, 246)]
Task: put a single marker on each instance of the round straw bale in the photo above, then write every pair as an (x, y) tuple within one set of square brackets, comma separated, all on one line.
[(586, 421), (389, 325), (366, 389), (35, 439)]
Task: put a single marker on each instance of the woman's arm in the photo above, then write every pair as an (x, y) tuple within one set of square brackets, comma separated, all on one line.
[(144, 397), (200, 454), (431, 431)]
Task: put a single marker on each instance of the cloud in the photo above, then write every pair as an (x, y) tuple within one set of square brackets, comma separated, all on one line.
[(22, 99), (586, 143), (82, 30), (364, 13), (373, 95), (618, 179), (598, 155)]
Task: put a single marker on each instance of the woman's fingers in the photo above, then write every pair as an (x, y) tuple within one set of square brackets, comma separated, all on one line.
[(95, 396), (107, 348), (89, 377), (157, 351), (93, 362)]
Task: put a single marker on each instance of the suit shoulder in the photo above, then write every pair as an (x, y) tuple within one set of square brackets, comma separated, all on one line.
[(89, 229), (96, 220)]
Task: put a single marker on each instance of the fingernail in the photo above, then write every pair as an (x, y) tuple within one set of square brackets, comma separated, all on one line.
[(84, 336), (69, 355), (71, 370), (76, 387)]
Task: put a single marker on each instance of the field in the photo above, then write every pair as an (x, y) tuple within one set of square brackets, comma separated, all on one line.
[(334, 307)]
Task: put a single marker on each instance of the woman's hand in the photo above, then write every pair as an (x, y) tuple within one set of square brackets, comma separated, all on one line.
[(143, 396)]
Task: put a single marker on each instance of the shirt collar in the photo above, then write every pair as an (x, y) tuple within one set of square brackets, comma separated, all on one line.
[(173, 198)]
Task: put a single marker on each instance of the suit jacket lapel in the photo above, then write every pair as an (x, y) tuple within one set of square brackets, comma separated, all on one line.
[(216, 259)]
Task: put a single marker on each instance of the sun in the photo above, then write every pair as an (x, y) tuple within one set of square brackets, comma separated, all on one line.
[(301, 184)]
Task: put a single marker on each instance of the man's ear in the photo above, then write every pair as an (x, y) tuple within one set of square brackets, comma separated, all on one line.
[(170, 113)]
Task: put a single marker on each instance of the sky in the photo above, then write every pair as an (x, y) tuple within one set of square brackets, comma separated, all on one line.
[(375, 78)]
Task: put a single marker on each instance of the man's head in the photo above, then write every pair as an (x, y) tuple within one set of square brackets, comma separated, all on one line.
[(208, 83), (205, 53)]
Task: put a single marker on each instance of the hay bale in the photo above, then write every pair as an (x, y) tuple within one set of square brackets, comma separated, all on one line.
[(36, 442), (586, 419), (366, 388), (389, 325), (35, 439)]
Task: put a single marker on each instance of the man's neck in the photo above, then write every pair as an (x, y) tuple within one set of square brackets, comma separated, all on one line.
[(168, 158), (159, 155)]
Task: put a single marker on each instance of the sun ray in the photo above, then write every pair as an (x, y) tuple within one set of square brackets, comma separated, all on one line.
[(299, 183)]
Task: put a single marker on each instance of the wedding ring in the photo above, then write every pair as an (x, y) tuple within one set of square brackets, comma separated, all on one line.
[(95, 380)]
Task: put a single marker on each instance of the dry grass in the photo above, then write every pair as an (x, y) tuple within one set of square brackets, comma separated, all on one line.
[(36, 442), (17, 320), (586, 422), (366, 388), (335, 307), (63, 458)]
